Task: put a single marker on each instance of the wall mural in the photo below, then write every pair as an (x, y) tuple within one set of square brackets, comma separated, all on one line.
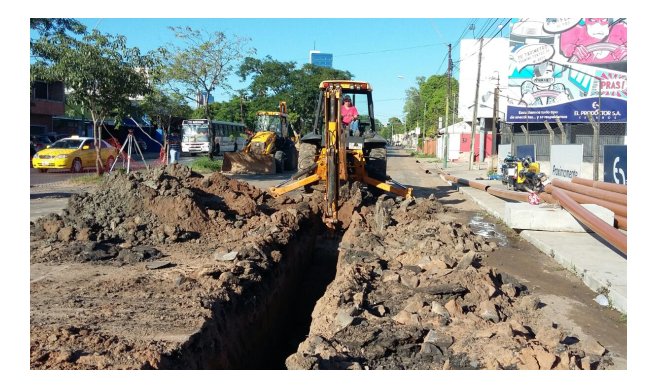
[(568, 68)]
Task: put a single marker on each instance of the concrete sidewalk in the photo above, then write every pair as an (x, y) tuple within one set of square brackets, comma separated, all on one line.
[(601, 267)]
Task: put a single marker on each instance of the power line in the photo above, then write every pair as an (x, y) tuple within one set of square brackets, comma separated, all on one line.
[(489, 40), (455, 44), (388, 50)]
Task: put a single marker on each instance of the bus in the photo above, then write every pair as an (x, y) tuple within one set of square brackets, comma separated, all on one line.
[(195, 134)]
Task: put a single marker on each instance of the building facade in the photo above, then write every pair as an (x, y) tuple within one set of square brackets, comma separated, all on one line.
[(46, 101), (321, 59)]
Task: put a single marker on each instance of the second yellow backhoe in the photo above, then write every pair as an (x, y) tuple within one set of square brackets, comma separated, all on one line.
[(270, 149)]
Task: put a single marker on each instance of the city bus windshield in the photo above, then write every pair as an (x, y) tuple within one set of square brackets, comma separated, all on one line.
[(195, 133)]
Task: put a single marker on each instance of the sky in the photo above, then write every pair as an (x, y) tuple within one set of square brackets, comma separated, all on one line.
[(406, 40), (389, 53)]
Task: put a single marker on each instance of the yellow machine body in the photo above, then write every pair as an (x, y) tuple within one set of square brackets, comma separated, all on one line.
[(339, 159)]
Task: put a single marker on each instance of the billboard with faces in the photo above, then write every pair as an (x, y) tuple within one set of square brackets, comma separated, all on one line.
[(567, 68)]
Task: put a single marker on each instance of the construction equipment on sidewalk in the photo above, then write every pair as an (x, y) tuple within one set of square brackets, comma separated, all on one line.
[(331, 154), (522, 174), (270, 150)]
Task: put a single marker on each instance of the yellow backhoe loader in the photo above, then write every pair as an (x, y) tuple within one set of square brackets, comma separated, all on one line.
[(333, 153), (270, 150)]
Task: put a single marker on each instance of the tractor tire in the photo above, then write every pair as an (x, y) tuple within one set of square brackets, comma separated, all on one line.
[(279, 159), (376, 164), (290, 158), (307, 154)]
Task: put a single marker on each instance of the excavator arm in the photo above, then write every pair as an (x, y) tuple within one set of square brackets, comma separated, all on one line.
[(336, 162)]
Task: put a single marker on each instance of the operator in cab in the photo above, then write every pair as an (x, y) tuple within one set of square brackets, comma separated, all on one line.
[(349, 115)]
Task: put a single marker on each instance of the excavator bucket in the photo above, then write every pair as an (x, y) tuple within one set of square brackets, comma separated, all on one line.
[(243, 162)]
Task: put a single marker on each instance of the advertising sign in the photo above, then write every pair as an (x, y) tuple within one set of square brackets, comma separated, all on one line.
[(615, 164), (566, 160), (568, 68)]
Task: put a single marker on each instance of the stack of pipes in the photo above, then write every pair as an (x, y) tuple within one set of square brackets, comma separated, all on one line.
[(570, 196), (609, 195)]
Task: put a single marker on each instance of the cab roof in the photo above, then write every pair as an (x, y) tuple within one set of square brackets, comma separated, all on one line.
[(346, 84), (269, 113)]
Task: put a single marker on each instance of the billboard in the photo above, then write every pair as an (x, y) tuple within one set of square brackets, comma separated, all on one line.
[(567, 68)]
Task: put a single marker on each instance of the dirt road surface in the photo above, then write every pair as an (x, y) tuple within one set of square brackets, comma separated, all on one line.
[(173, 270)]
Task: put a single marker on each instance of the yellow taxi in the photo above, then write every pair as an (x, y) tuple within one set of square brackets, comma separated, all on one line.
[(75, 154)]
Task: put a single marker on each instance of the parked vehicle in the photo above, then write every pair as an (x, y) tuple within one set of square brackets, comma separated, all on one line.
[(142, 144), (32, 152), (74, 154), (40, 141)]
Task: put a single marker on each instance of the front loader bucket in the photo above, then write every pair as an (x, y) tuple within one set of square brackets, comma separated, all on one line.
[(245, 163)]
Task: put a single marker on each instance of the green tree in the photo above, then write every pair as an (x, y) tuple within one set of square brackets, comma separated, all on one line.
[(394, 125), (269, 77), (161, 110), (305, 92), (221, 111), (101, 72), (48, 27), (201, 64), (413, 106), (425, 104), (271, 83), (274, 81)]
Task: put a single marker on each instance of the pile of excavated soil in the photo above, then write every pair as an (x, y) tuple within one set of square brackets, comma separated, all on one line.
[(411, 292), (169, 269), (164, 205), (130, 274)]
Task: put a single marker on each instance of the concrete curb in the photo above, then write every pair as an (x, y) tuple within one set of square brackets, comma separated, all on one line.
[(608, 278), (601, 268)]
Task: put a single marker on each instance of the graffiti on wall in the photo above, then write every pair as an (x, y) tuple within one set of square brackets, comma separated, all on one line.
[(568, 68)]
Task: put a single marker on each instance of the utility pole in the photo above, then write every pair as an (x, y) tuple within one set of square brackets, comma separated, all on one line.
[(476, 104), (496, 108), (449, 93), (424, 126)]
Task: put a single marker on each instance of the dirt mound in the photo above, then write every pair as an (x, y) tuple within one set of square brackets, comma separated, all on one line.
[(160, 206), (411, 292), (200, 272), (219, 243)]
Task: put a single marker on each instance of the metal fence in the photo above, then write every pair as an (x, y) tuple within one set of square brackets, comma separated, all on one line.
[(610, 133)]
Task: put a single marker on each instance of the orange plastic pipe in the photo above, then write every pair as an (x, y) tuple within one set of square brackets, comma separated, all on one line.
[(545, 197), (512, 195), (602, 185), (618, 209), (465, 182), (592, 191), (619, 221), (601, 228)]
